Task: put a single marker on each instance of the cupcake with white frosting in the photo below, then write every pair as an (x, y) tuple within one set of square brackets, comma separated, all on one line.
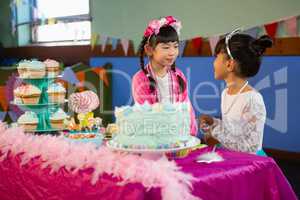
[(52, 68), (56, 93), (17, 94), (36, 69), (57, 119), (29, 94), (28, 121), (22, 68)]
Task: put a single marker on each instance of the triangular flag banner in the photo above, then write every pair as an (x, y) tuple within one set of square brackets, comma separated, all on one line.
[(81, 76), (125, 45), (2, 115), (181, 47), (197, 43), (136, 45), (271, 29), (103, 41), (102, 75), (94, 40), (51, 21), (69, 76), (13, 116), (291, 26), (252, 31), (3, 100), (213, 42), (114, 43)]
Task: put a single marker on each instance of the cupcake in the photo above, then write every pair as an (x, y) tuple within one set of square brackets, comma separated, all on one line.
[(30, 94), (57, 119), (36, 69), (17, 94), (52, 68), (28, 121), (56, 93), (22, 68)]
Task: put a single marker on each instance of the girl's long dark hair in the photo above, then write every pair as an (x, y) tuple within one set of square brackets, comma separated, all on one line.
[(166, 34)]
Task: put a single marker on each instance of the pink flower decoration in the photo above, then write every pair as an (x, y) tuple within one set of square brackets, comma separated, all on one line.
[(170, 19), (155, 25)]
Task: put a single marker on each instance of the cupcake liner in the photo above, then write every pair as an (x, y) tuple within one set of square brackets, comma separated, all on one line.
[(29, 127), (36, 73), (57, 124), (31, 100), (56, 98)]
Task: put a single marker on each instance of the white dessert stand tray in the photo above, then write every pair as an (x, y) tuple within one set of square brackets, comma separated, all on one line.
[(155, 153)]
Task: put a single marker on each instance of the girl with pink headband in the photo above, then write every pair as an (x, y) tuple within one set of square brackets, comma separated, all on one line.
[(159, 80)]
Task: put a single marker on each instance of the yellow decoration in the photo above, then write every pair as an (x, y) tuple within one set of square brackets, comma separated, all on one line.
[(85, 119), (94, 40)]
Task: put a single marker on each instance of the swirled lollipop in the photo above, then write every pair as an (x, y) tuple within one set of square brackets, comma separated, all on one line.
[(83, 102)]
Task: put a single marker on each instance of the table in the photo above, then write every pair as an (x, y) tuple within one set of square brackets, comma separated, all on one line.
[(240, 176)]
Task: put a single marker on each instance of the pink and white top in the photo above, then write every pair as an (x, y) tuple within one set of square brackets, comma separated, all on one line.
[(141, 91)]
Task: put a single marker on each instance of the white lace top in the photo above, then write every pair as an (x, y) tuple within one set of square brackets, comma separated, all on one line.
[(242, 124)]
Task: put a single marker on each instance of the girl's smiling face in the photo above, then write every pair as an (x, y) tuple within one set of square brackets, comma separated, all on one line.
[(163, 54)]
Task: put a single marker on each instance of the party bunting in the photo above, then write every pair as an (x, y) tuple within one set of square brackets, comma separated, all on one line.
[(182, 45), (13, 116), (102, 75), (103, 41), (136, 45), (69, 76), (197, 42), (125, 45), (2, 115), (81, 76), (253, 31), (3, 100), (213, 42), (94, 40), (271, 29), (114, 43), (291, 26)]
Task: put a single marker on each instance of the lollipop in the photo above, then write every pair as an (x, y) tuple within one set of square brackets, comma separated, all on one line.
[(83, 102)]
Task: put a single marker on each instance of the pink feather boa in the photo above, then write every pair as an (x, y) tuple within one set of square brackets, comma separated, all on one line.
[(57, 152)]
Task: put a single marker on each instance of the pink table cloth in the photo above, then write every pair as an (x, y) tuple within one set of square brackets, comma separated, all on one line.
[(240, 177)]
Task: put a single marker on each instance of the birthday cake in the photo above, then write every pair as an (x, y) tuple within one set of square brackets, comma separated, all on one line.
[(157, 126)]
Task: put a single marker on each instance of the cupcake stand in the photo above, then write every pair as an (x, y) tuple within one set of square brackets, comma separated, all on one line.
[(44, 108)]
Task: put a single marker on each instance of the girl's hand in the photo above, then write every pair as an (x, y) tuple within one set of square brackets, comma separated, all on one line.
[(209, 140), (205, 122)]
